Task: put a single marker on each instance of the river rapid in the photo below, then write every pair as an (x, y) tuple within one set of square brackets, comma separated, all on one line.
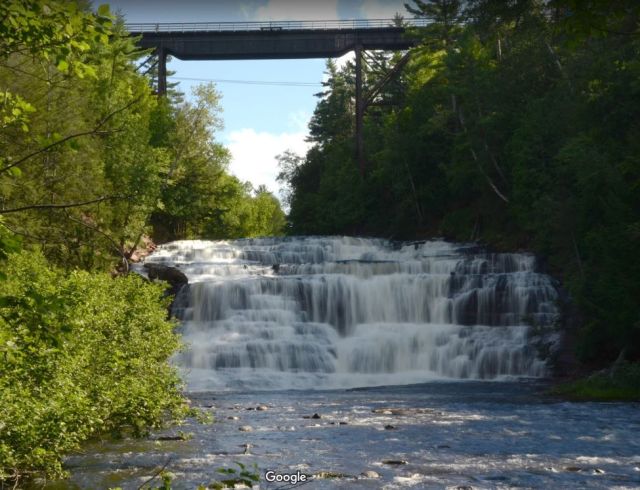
[(363, 363)]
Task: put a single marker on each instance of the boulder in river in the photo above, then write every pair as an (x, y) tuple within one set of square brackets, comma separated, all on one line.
[(179, 437), (394, 462), (370, 474), (325, 475)]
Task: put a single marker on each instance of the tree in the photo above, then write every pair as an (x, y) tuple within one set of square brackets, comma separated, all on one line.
[(66, 179), (443, 14), (289, 164), (195, 177)]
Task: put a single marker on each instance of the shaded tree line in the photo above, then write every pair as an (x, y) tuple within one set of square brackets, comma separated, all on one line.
[(514, 124)]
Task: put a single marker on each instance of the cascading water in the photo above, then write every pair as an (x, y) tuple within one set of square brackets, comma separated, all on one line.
[(327, 312)]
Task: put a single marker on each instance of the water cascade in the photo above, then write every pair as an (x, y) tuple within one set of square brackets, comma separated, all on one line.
[(330, 312)]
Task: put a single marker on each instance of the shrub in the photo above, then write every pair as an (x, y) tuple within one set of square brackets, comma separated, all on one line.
[(82, 355)]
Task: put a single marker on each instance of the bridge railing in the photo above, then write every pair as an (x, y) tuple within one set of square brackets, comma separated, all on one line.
[(270, 25)]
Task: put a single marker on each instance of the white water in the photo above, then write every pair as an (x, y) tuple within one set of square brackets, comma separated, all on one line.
[(327, 312)]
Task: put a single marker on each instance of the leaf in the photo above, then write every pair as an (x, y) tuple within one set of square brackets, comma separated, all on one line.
[(6, 301), (103, 10), (63, 66)]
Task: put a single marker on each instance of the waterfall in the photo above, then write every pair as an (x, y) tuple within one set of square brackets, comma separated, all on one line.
[(327, 312)]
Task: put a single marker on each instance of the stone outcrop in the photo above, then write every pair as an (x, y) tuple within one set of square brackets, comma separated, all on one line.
[(175, 277)]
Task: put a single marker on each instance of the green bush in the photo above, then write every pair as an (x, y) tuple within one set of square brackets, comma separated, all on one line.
[(82, 354)]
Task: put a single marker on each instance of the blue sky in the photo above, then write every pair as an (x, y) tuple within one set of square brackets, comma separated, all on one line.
[(261, 121)]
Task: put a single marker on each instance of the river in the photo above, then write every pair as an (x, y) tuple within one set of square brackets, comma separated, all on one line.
[(364, 363), (480, 435)]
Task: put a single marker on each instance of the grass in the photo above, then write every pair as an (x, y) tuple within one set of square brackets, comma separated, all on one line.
[(621, 383)]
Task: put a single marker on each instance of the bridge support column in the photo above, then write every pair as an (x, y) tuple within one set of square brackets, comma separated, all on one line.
[(162, 71), (359, 112), (365, 100)]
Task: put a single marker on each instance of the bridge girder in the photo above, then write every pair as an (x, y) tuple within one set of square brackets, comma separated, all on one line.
[(273, 44)]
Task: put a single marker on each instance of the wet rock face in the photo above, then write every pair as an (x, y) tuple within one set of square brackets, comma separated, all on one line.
[(370, 474)]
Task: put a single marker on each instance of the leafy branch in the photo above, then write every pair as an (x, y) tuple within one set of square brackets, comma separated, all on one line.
[(92, 132)]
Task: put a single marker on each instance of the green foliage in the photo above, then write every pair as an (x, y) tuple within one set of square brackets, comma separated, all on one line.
[(75, 137), (9, 242), (243, 476), (104, 162), (240, 476), (619, 384), (83, 355), (514, 124), (60, 33)]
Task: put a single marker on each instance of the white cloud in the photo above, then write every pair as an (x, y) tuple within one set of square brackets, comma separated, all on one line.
[(281, 10), (253, 153)]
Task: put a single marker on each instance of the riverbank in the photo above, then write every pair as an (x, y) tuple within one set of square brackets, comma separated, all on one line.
[(620, 383)]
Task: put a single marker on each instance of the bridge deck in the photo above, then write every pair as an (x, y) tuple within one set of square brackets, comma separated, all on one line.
[(271, 40), (270, 25)]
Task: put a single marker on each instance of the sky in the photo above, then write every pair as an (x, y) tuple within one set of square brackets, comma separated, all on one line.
[(260, 121)]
